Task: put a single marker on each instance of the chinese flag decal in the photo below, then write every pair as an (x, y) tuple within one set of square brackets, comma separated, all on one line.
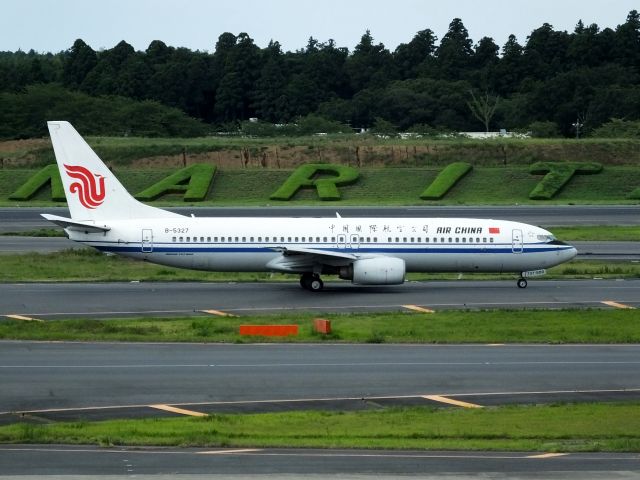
[(494, 230)]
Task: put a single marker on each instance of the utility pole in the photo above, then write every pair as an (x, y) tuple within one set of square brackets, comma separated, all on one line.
[(578, 125)]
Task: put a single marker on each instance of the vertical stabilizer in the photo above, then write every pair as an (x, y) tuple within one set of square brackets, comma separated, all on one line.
[(92, 190)]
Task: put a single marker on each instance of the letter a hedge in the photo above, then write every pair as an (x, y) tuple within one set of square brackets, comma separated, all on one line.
[(194, 181), (48, 175), (327, 188)]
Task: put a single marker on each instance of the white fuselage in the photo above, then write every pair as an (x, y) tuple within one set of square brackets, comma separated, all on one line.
[(255, 244)]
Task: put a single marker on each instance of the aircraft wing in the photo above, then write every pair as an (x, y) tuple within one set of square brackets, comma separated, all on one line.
[(302, 259), (75, 224)]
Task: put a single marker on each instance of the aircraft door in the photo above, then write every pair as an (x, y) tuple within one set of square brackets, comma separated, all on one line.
[(342, 242), (147, 240), (517, 241), (355, 242)]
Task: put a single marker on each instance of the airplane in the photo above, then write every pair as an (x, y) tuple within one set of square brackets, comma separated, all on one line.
[(366, 251)]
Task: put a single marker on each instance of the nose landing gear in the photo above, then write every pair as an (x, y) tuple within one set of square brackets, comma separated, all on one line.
[(311, 282), (522, 282)]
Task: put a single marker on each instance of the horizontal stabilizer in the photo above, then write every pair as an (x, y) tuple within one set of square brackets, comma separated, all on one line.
[(75, 224)]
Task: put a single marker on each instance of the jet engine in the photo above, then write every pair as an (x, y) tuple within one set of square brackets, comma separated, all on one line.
[(375, 271)]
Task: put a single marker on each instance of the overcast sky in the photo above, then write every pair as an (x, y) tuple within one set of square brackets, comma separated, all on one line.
[(53, 25)]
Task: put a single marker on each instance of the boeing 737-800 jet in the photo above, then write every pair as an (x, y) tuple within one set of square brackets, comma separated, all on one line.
[(367, 251)]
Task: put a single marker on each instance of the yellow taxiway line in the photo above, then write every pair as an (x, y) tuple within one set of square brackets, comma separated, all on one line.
[(181, 411), (548, 455), (22, 317), (416, 308), (451, 401), (219, 313), (611, 303)]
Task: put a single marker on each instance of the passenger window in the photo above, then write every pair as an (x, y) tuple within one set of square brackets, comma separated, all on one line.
[(404, 240), (464, 240), (484, 240), (289, 239), (296, 239), (188, 239), (375, 239), (202, 239), (389, 240), (361, 239), (333, 239), (181, 239), (397, 240), (259, 239), (412, 240), (324, 239), (457, 240), (173, 239), (477, 240), (450, 240), (318, 240), (209, 239), (491, 240)]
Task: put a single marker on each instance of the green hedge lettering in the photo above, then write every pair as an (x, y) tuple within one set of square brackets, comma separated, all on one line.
[(445, 181), (49, 175), (194, 181), (557, 175), (305, 177)]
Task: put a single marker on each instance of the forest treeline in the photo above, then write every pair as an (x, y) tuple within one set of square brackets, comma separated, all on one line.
[(549, 83)]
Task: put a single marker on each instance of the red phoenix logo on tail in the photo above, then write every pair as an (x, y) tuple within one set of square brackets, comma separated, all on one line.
[(90, 193)]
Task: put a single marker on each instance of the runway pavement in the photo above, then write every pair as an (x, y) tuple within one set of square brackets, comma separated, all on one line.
[(26, 461), (65, 300), (62, 381), (13, 219)]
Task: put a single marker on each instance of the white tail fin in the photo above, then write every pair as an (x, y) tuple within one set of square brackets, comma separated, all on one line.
[(92, 190)]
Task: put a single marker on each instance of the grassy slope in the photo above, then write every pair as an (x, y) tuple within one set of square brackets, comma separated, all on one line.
[(447, 326), (377, 186), (559, 428)]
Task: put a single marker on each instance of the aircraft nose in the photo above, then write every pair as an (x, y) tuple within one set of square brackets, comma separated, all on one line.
[(570, 253)]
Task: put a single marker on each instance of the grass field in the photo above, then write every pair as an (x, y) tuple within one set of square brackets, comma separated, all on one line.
[(556, 428), (376, 187), (447, 326)]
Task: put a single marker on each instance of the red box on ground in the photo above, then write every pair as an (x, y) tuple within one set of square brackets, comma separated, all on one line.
[(322, 325), (269, 330)]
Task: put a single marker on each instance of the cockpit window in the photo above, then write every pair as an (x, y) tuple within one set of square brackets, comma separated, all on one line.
[(546, 238), (550, 239)]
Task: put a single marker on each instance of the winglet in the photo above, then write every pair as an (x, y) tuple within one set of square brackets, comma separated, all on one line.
[(338, 215)]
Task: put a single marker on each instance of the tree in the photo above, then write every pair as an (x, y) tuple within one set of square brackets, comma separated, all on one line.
[(79, 60), (370, 65), (454, 52), (483, 107), (417, 55)]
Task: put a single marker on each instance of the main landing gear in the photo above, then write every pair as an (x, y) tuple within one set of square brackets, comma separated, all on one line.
[(311, 281), (522, 282)]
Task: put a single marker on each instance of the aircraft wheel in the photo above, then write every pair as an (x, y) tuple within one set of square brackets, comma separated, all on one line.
[(316, 284), (522, 283), (305, 280)]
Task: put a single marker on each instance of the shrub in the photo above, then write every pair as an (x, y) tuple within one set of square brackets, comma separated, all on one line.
[(544, 130), (557, 175), (618, 128), (49, 175), (445, 181), (305, 177), (193, 181)]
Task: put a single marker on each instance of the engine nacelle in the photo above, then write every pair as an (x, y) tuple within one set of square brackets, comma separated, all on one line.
[(375, 271)]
